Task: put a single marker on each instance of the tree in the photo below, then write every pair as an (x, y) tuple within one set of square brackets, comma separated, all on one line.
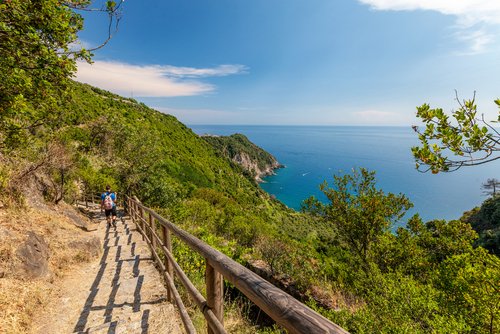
[(37, 62), (491, 186), (359, 211), (419, 247), (447, 145), (470, 285), (37, 59)]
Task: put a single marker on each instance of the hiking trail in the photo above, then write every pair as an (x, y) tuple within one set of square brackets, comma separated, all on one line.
[(120, 292)]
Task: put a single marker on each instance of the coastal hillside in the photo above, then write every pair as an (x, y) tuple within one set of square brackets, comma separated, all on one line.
[(97, 138), (341, 254), (253, 159), (101, 138)]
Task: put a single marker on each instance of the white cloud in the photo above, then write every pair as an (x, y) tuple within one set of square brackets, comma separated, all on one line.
[(477, 40), (151, 80), (190, 72), (469, 12), (472, 16)]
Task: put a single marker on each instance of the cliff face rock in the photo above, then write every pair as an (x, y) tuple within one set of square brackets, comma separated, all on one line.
[(243, 152), (258, 171)]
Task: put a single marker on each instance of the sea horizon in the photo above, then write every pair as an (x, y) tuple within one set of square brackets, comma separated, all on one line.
[(313, 154)]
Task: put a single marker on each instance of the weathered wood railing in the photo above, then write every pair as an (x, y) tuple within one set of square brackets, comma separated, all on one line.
[(281, 307), (93, 199)]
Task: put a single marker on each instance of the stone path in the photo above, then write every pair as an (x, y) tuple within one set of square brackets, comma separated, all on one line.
[(119, 293)]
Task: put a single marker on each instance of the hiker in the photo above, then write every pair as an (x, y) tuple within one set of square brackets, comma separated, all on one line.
[(108, 203)]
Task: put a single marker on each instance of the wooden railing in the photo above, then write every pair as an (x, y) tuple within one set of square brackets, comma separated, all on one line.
[(86, 199), (288, 312)]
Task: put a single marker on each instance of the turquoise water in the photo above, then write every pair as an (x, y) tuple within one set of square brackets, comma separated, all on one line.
[(313, 154)]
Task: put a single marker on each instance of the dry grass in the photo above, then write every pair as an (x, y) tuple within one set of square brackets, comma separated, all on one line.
[(22, 298), (19, 302), (236, 317)]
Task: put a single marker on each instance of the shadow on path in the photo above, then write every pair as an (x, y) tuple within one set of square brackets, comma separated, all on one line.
[(104, 279)]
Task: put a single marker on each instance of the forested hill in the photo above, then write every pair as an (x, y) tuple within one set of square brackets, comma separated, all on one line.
[(253, 159), (111, 139), (143, 151)]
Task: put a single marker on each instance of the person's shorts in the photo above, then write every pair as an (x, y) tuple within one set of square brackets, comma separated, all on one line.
[(111, 212)]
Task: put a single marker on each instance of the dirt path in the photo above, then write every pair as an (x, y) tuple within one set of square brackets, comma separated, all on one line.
[(119, 293)]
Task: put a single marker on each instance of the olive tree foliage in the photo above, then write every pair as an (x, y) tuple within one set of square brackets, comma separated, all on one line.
[(37, 60), (451, 143), (359, 211)]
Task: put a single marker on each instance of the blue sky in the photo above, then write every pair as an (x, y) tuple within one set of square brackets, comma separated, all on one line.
[(299, 62)]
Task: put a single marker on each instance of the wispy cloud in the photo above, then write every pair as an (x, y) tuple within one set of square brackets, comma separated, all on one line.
[(190, 72), (151, 80), (468, 11), (477, 40), (472, 16)]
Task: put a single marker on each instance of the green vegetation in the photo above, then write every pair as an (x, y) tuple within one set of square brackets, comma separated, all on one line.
[(447, 145), (341, 257), (242, 151), (425, 278), (485, 220), (359, 212)]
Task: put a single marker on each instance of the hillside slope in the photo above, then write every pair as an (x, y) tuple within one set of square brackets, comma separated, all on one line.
[(253, 159)]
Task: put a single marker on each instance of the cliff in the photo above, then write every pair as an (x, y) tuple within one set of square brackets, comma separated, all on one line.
[(239, 149)]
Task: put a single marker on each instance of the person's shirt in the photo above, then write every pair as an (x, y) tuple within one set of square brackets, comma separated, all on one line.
[(112, 195)]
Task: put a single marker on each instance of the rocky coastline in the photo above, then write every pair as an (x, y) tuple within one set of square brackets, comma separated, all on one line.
[(246, 162), (252, 158)]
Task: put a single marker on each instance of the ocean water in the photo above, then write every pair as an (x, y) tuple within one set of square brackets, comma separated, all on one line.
[(313, 154)]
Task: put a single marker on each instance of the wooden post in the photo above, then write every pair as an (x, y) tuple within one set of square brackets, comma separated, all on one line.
[(129, 208), (165, 235), (132, 209), (134, 205), (141, 220), (215, 293), (151, 221)]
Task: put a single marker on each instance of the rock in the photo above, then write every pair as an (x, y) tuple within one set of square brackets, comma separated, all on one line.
[(34, 255), (79, 221), (91, 246)]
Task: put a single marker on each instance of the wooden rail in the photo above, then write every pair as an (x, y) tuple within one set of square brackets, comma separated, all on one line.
[(90, 198), (294, 316)]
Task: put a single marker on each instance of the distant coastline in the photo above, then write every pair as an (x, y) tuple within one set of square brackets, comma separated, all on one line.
[(254, 160), (320, 152)]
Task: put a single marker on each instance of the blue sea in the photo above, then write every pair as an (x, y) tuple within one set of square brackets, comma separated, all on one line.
[(313, 154)]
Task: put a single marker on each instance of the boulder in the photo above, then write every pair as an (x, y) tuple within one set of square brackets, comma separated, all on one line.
[(90, 246), (79, 221), (34, 255)]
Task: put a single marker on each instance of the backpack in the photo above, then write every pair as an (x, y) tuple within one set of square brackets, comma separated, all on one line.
[(108, 202)]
